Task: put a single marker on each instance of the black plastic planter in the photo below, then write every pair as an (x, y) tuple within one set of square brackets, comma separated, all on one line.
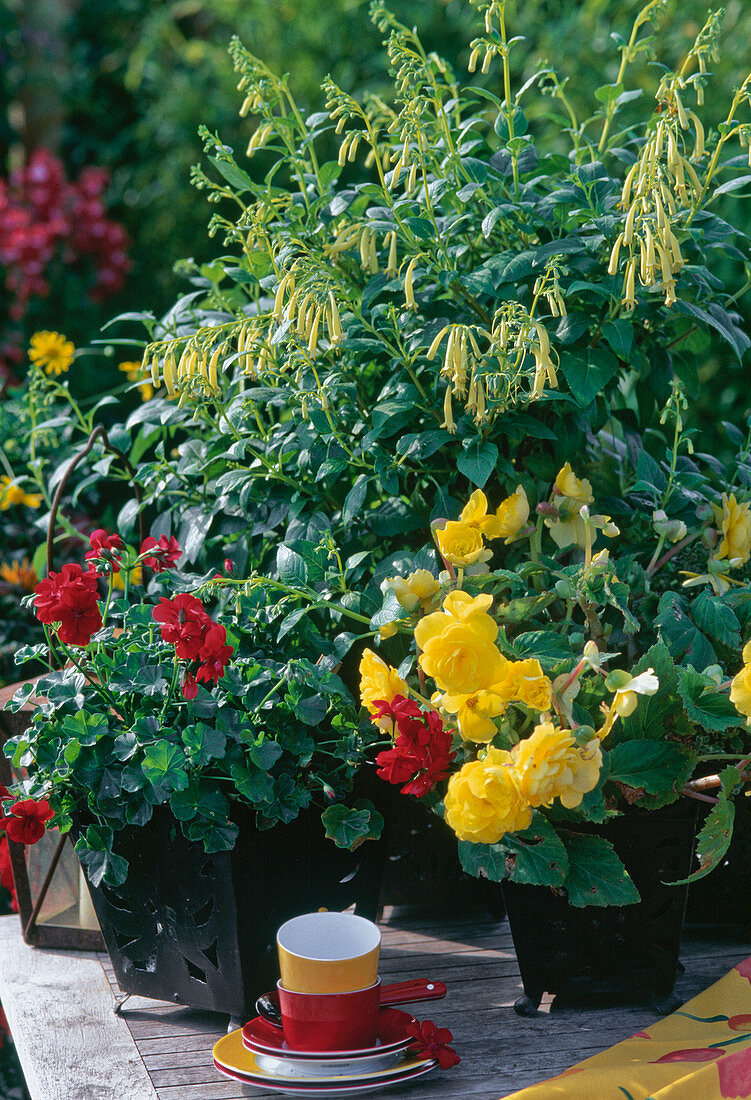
[(629, 952), (200, 929)]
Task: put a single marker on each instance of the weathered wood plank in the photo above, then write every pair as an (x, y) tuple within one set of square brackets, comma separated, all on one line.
[(59, 1006)]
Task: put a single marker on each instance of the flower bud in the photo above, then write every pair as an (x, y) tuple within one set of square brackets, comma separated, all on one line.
[(229, 566)]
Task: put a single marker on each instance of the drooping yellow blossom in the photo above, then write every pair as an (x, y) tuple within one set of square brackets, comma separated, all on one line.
[(734, 520), (483, 801), (378, 681), (461, 544), (52, 351), (549, 764), (512, 515), (475, 514), (13, 494), (460, 656), (740, 688), (626, 697), (418, 588), (20, 574), (136, 577), (576, 489), (134, 372)]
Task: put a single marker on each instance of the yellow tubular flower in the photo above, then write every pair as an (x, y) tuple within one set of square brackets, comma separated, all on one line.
[(483, 801), (378, 681), (461, 544), (735, 523), (549, 765), (11, 494), (512, 516), (52, 351)]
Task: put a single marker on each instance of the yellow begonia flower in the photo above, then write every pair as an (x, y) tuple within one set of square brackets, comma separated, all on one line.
[(13, 494), (626, 697), (512, 516), (746, 655), (734, 521), (52, 351), (549, 765), (740, 688), (20, 574), (483, 801), (461, 544), (567, 532), (473, 611), (460, 656), (475, 514), (475, 713), (569, 485), (378, 681), (526, 682), (418, 588)]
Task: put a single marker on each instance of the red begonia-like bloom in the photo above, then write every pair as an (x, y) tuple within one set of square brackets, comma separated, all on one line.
[(105, 551), (69, 598), (422, 747), (25, 824), (184, 623), (162, 553), (433, 1042), (214, 655), (190, 687)]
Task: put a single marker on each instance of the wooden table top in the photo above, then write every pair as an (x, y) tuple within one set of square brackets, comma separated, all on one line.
[(73, 1047)]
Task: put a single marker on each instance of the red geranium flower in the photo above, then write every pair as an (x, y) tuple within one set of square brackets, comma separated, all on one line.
[(422, 747), (190, 687), (6, 873), (162, 553), (433, 1041), (184, 623), (69, 598), (214, 654), (104, 551), (26, 822)]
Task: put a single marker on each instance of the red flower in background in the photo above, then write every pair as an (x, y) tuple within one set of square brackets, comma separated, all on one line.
[(162, 553), (433, 1041), (70, 599), (25, 825), (105, 551), (422, 747), (214, 655), (6, 873), (184, 623)]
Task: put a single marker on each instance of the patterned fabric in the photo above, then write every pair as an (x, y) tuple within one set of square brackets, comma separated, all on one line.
[(701, 1052)]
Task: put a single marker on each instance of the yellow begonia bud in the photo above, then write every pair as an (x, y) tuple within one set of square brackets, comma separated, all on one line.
[(418, 588), (569, 485), (388, 630), (673, 529)]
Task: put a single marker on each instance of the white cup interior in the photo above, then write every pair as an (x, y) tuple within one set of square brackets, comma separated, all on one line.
[(328, 937)]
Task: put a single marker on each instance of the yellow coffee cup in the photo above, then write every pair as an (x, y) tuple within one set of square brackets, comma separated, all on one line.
[(328, 953)]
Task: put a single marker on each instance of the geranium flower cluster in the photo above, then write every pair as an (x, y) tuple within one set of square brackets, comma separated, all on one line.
[(24, 823), (43, 216), (70, 598), (196, 637), (421, 756)]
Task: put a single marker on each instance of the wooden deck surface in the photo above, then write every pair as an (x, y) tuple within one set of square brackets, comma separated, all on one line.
[(500, 1051)]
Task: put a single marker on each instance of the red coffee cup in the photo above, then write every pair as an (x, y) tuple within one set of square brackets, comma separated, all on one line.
[(330, 1021)]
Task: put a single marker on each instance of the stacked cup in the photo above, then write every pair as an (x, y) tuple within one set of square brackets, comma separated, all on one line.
[(329, 991)]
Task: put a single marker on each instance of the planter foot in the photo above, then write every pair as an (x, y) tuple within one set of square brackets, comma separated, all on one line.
[(526, 1005), (235, 1023), (666, 1004)]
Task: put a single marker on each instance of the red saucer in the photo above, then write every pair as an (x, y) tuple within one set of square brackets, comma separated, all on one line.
[(263, 1037)]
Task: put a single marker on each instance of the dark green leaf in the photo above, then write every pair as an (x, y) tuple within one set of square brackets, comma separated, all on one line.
[(588, 377), (683, 638), (477, 461), (349, 827), (715, 618), (596, 874), (651, 765), (705, 704)]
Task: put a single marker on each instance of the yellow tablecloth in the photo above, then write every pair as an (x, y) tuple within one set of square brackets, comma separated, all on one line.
[(701, 1052)]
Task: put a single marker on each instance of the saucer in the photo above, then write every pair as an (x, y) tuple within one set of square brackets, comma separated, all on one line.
[(233, 1060), (263, 1038)]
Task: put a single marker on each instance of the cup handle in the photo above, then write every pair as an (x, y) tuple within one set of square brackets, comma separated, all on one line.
[(419, 989), (267, 1006)]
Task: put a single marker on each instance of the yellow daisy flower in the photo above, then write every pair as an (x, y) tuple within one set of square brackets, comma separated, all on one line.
[(52, 351)]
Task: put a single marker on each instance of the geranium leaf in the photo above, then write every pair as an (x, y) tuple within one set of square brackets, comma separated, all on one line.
[(348, 826)]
